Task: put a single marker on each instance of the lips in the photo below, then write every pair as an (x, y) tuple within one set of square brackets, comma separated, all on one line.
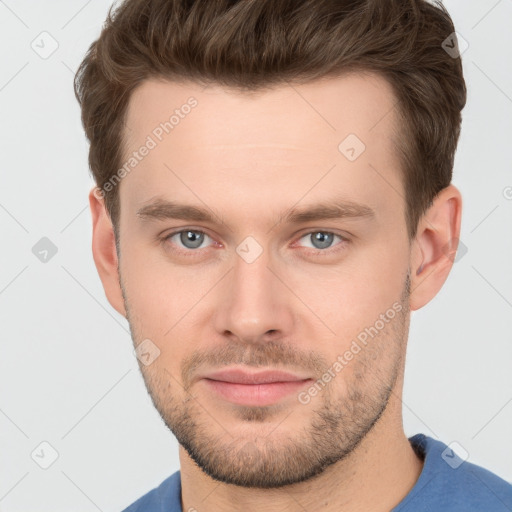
[(238, 376), (253, 388)]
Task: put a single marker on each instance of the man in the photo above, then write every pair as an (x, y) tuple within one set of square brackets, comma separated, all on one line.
[(273, 199)]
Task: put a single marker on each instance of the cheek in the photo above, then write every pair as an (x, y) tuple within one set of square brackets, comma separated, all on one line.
[(163, 303), (156, 289), (351, 297)]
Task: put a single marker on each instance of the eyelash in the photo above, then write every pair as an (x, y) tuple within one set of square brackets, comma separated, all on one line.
[(328, 251)]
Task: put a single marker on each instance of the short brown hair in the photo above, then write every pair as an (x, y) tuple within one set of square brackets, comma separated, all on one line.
[(253, 44)]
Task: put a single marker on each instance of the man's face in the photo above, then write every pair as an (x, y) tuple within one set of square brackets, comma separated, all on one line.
[(258, 287)]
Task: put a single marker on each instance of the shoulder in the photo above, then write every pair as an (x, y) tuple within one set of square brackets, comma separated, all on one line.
[(448, 482), (166, 497)]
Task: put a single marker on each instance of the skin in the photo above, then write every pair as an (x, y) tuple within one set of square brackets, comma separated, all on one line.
[(296, 307)]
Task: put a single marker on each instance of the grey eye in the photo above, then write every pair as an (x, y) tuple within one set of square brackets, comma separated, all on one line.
[(321, 239), (191, 239)]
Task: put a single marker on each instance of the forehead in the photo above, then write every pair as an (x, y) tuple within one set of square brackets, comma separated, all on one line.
[(299, 139), (353, 101)]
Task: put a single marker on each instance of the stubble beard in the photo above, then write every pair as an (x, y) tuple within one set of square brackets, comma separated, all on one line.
[(252, 456)]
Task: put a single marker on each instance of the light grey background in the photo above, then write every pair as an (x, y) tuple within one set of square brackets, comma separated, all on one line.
[(68, 375)]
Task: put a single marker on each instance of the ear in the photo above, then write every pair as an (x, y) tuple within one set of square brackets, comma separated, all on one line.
[(434, 246), (104, 250)]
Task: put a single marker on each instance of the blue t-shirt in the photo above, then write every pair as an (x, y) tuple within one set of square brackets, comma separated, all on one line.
[(446, 483)]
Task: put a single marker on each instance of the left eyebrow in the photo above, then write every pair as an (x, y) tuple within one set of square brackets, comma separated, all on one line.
[(329, 210)]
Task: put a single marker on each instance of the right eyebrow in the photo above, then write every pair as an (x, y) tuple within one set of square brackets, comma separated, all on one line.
[(161, 209)]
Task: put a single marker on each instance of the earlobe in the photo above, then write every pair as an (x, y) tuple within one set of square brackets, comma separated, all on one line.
[(104, 251), (435, 245)]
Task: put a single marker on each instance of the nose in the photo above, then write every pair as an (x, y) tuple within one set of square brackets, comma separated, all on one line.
[(254, 305)]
